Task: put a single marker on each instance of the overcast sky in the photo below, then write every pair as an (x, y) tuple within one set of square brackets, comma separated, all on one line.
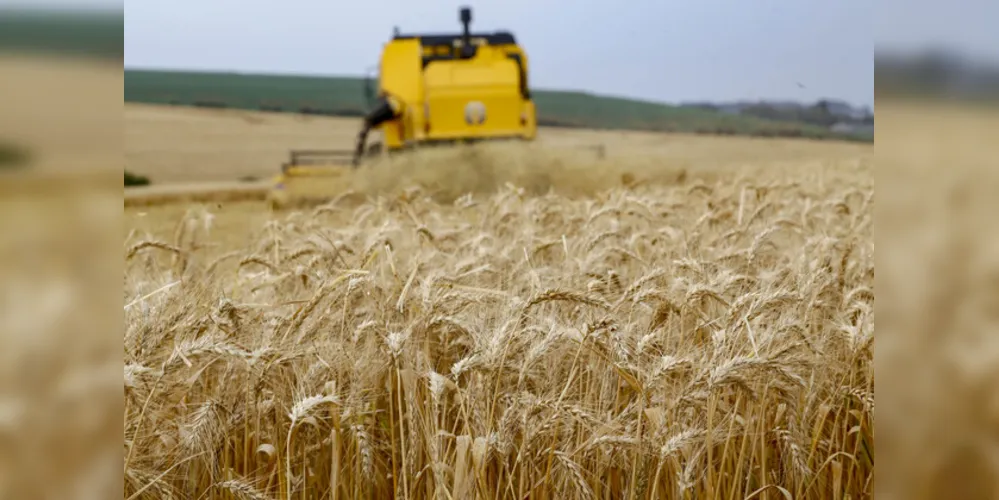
[(966, 26), (657, 49)]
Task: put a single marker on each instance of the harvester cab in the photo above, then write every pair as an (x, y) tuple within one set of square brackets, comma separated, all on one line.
[(433, 89)]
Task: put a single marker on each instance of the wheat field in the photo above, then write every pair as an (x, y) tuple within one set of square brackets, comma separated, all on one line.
[(696, 329), (174, 145)]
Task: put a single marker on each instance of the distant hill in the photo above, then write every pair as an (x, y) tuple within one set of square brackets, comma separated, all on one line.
[(826, 113), (84, 32), (936, 73), (345, 96)]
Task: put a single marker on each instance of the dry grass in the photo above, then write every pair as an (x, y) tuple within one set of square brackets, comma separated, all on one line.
[(63, 128), (938, 309), (57, 219), (706, 337)]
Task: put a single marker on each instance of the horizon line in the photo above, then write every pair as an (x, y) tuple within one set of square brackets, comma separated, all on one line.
[(279, 73)]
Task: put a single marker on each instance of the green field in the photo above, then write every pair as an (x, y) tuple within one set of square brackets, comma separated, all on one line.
[(345, 96), (91, 33)]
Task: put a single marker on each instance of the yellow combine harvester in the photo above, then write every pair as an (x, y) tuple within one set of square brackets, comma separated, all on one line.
[(432, 89)]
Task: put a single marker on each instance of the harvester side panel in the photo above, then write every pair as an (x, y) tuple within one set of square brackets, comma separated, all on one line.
[(530, 114), (401, 77), (528, 109)]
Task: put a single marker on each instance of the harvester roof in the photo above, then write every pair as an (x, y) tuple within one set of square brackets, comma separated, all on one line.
[(453, 39), (449, 39)]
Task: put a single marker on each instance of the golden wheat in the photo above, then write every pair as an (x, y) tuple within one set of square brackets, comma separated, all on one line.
[(703, 340)]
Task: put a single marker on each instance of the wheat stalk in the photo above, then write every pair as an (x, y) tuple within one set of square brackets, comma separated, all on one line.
[(646, 341)]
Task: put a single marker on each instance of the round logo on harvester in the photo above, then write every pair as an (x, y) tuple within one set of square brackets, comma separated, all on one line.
[(475, 113)]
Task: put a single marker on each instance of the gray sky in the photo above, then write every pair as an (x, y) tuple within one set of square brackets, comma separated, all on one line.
[(656, 49)]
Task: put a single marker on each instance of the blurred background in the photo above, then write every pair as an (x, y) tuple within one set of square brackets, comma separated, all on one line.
[(941, 72), (936, 84), (60, 152), (936, 88)]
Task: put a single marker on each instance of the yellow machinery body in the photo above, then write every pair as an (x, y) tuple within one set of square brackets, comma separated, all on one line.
[(432, 89), (440, 96)]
